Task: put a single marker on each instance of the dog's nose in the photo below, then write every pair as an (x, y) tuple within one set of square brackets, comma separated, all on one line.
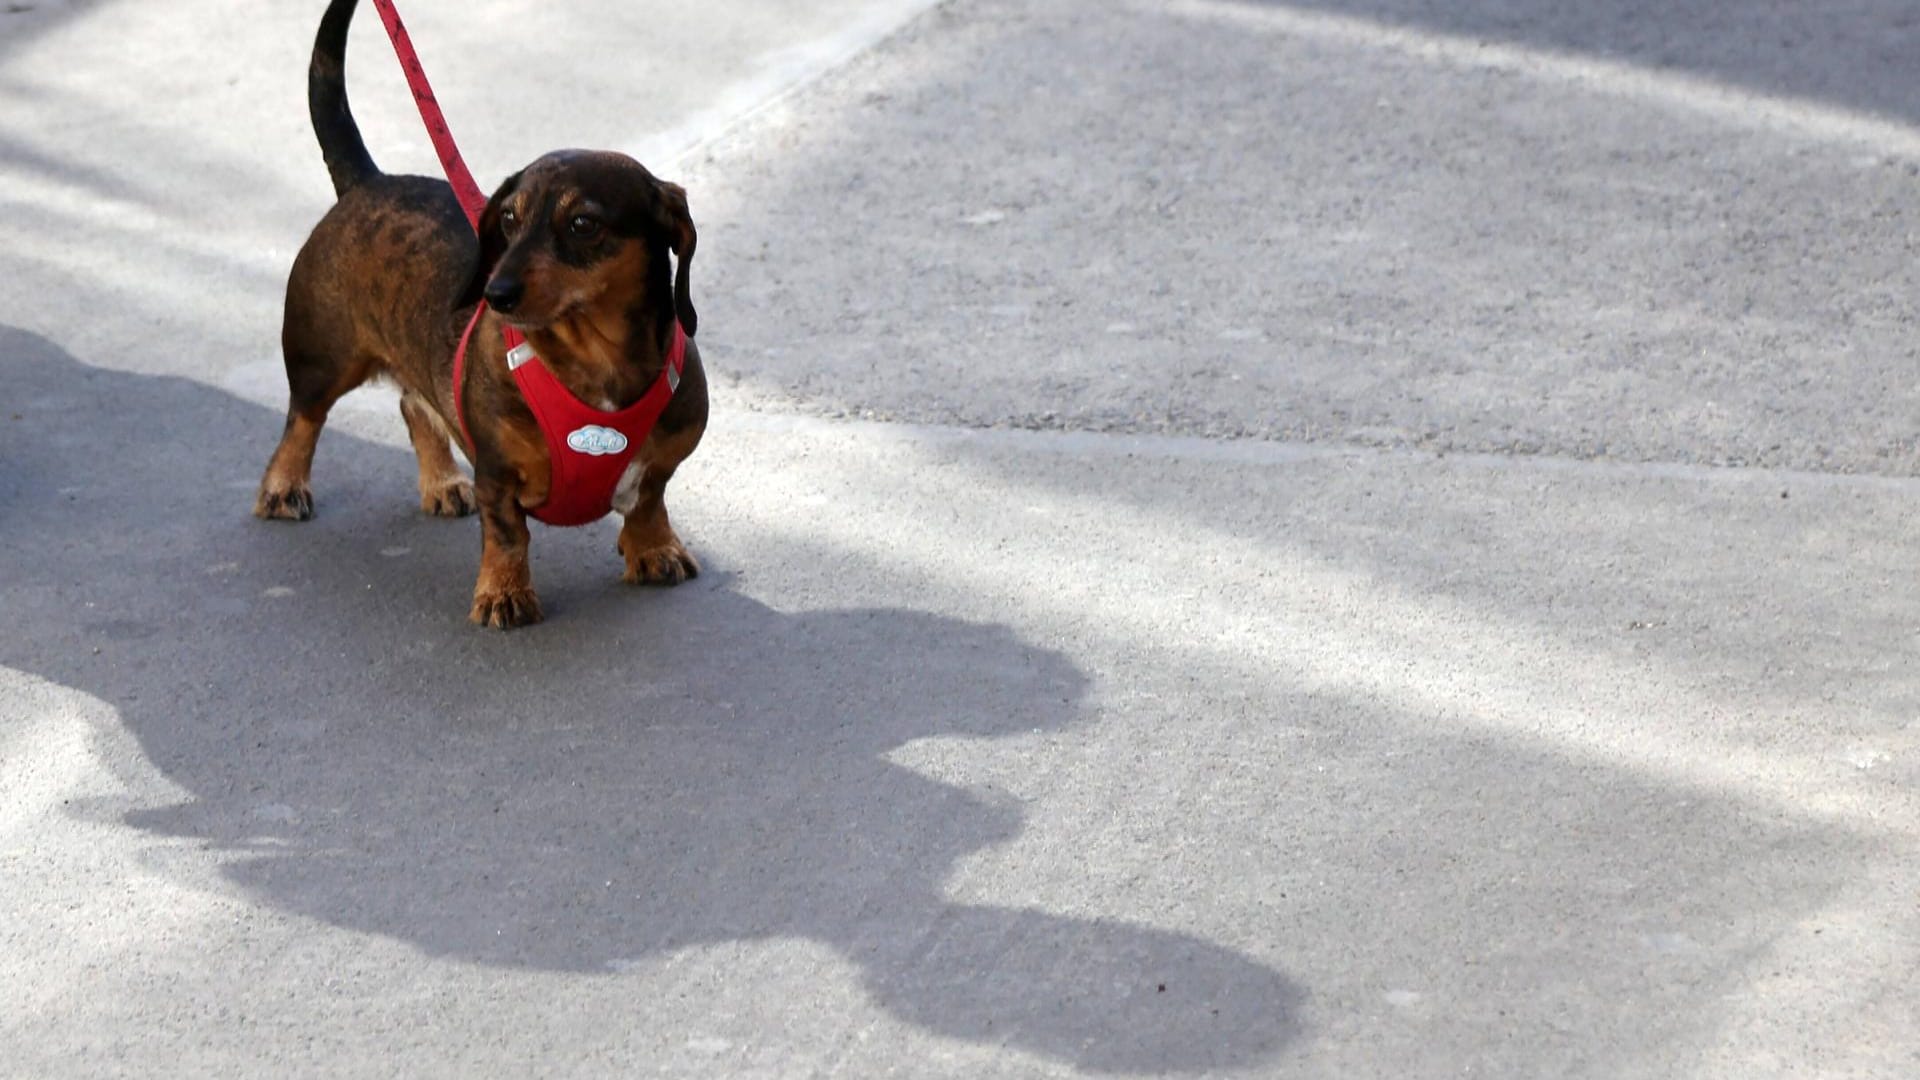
[(503, 293)]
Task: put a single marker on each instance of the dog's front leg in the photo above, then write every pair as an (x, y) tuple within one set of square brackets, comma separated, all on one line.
[(653, 552), (503, 597)]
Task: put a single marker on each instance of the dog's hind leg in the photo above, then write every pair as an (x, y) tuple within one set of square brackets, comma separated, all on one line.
[(314, 383), (445, 491)]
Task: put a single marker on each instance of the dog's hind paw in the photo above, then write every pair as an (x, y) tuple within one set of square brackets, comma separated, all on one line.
[(452, 499), (294, 503), (505, 609)]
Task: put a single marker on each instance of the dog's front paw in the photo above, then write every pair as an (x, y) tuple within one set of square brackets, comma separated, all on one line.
[(664, 564), (451, 499), (505, 609), (291, 502)]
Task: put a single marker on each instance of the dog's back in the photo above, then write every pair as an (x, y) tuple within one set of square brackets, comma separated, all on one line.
[(402, 240)]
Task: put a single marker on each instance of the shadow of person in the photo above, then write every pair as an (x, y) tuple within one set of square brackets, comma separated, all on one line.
[(646, 773)]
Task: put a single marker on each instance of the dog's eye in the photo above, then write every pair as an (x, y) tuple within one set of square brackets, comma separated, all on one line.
[(508, 219), (584, 226)]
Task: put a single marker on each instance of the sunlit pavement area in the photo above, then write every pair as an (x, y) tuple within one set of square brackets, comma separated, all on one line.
[(1327, 539)]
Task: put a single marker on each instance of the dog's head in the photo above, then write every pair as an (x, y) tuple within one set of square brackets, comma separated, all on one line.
[(579, 229)]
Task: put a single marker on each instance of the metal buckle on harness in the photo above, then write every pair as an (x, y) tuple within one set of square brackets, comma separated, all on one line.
[(518, 355), (673, 379)]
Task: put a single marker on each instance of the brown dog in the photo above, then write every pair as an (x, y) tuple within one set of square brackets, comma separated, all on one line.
[(573, 252)]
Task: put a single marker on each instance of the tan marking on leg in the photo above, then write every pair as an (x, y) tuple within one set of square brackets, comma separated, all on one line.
[(445, 491), (652, 550), (284, 492), (503, 595)]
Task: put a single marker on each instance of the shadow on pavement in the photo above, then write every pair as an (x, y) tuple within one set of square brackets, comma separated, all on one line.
[(22, 22), (649, 771)]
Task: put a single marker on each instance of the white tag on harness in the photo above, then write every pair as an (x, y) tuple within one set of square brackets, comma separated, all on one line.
[(595, 441)]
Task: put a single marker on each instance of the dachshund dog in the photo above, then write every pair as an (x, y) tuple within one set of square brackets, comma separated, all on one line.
[(572, 252)]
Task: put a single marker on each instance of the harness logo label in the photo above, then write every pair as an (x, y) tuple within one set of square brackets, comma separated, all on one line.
[(596, 441)]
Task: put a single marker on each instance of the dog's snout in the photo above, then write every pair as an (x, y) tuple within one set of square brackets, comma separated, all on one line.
[(504, 293)]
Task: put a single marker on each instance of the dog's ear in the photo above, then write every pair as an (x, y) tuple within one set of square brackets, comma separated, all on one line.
[(493, 243), (673, 221)]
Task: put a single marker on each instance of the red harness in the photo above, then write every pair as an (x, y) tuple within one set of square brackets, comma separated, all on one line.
[(588, 450)]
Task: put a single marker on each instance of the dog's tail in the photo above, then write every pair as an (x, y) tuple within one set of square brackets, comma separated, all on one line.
[(347, 159)]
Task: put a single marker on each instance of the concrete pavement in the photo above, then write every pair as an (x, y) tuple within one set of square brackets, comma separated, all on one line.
[(1252, 219), (1468, 720)]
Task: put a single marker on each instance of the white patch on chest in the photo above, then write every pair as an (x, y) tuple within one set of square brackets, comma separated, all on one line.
[(626, 494)]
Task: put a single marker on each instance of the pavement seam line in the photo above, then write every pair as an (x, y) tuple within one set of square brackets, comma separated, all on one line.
[(1102, 444), (786, 73)]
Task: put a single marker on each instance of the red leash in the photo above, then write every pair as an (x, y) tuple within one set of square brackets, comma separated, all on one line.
[(472, 200), (464, 189)]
